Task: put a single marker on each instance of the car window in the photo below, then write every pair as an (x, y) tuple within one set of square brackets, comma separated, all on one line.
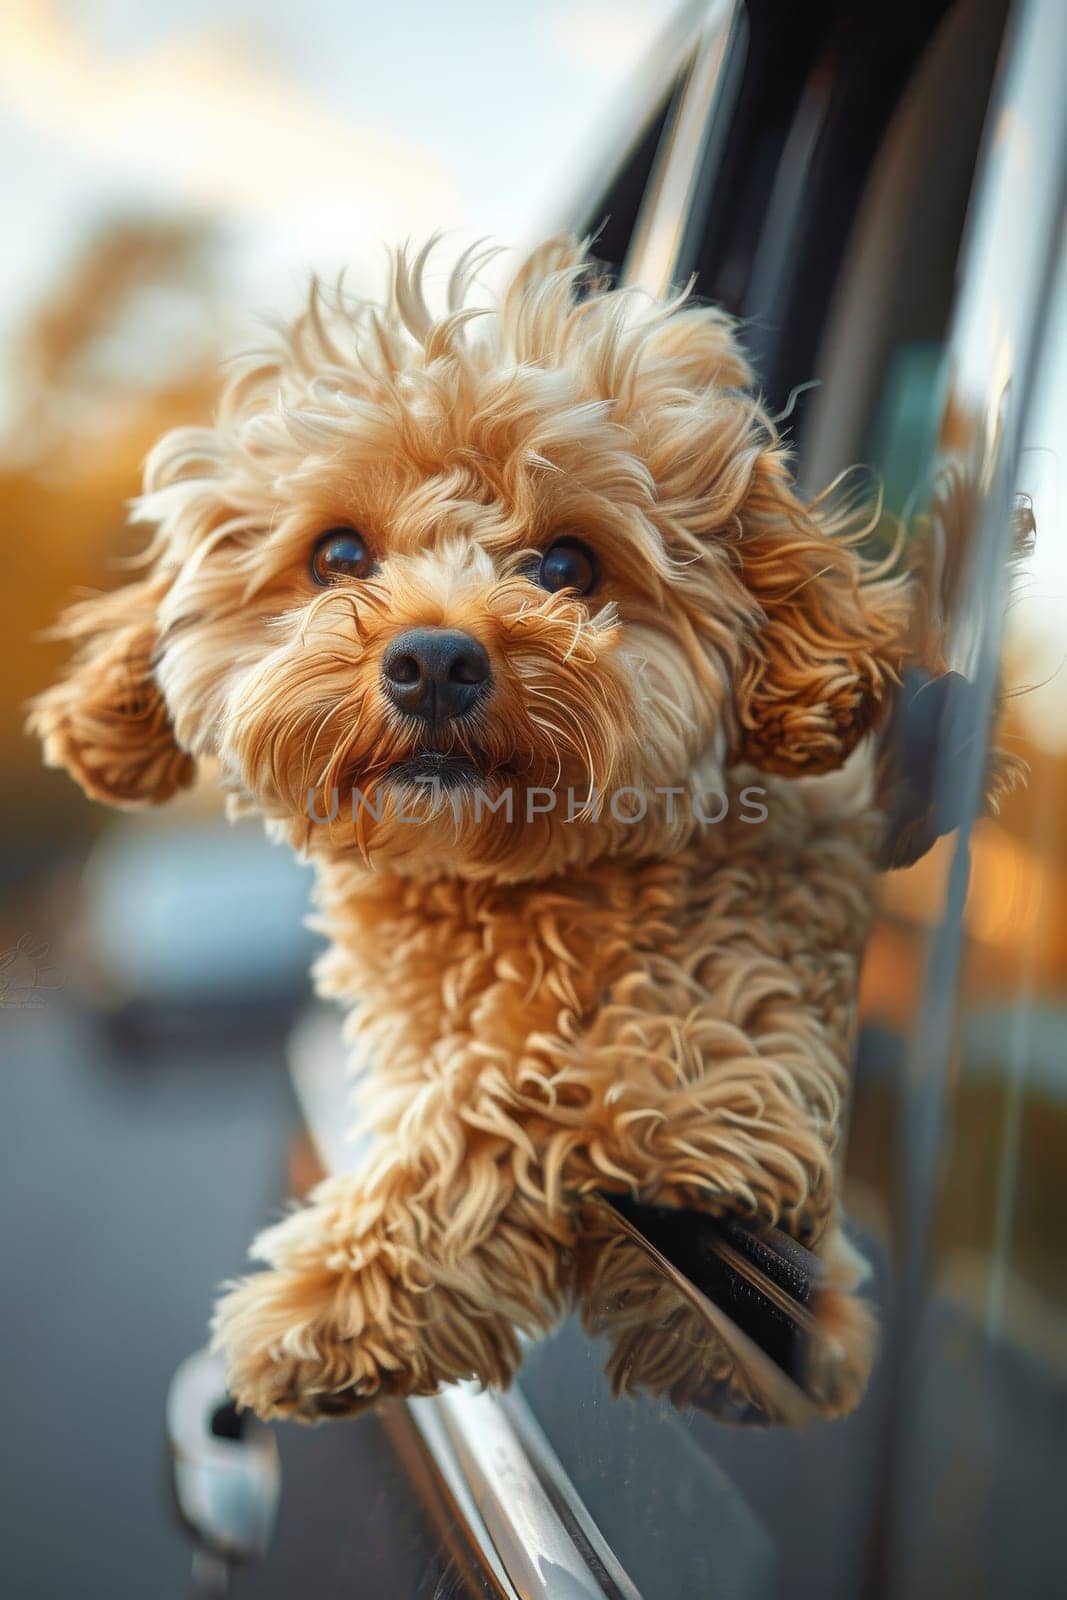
[(842, 221)]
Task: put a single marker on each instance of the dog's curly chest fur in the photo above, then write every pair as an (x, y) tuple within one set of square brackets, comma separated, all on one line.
[(625, 997)]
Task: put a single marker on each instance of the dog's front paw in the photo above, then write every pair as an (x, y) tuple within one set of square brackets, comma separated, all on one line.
[(299, 1345)]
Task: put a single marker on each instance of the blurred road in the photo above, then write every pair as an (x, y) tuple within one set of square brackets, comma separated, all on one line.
[(130, 1188)]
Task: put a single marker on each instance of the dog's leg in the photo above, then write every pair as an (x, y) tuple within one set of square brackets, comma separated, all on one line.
[(698, 1114), (708, 1117), (416, 1274), (660, 1342)]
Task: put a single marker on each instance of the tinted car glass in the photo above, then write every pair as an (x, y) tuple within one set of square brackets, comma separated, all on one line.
[(840, 214)]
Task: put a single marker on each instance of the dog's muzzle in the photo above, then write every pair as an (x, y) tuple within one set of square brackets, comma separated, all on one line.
[(435, 673)]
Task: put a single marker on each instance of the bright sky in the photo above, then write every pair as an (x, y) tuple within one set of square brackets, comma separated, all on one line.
[(317, 129)]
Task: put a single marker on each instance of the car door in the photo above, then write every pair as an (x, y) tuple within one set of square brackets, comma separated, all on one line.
[(877, 193)]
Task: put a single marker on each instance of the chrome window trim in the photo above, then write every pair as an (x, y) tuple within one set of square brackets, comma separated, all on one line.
[(645, 95), (652, 259), (509, 1484)]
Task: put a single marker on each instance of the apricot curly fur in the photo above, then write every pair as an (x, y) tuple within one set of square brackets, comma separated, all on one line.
[(558, 1001)]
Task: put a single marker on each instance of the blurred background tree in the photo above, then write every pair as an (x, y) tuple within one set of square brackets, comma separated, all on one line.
[(124, 345)]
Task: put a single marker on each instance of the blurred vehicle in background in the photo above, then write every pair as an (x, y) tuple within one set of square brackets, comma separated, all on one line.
[(877, 192), (194, 929)]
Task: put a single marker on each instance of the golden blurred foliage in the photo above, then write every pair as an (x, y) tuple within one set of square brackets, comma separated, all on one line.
[(98, 375)]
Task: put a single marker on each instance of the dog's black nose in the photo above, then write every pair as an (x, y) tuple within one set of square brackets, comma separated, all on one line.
[(435, 673)]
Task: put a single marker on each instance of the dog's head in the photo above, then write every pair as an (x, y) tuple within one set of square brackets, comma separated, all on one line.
[(546, 545)]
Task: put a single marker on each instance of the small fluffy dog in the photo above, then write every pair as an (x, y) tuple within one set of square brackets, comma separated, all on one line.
[(510, 616)]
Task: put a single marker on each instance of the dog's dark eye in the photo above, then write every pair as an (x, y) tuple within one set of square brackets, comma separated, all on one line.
[(341, 553), (568, 565)]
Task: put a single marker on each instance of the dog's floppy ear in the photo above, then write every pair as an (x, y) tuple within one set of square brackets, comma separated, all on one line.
[(830, 638), (106, 721)]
